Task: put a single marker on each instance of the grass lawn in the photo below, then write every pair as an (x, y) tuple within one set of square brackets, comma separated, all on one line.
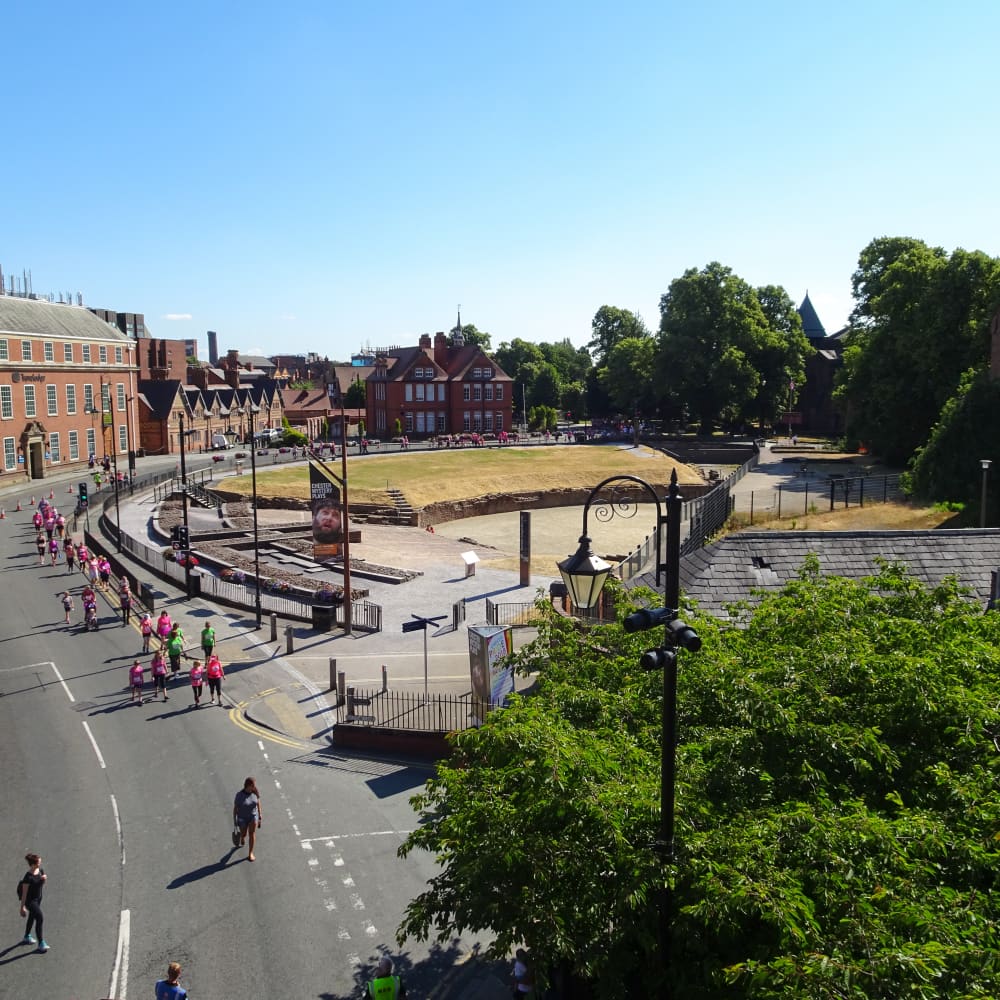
[(425, 477)]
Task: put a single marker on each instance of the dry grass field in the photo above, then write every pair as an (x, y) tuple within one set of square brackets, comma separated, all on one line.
[(871, 517), (428, 476)]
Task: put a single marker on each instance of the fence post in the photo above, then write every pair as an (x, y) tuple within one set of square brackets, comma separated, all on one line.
[(385, 677), (341, 683), (779, 501), (274, 627), (289, 639), (333, 674), (350, 703), (832, 494)]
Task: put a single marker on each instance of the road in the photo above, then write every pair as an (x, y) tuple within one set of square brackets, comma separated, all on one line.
[(130, 808)]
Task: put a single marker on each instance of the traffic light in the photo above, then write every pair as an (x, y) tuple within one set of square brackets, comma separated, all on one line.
[(81, 493), (182, 536)]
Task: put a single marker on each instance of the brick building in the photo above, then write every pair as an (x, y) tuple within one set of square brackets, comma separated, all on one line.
[(68, 387), (439, 388)]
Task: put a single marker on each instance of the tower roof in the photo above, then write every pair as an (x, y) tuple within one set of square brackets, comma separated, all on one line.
[(811, 326)]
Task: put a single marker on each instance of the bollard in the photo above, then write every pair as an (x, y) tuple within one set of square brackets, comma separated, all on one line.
[(341, 684), (350, 703), (274, 627), (289, 639), (385, 677), (333, 674)]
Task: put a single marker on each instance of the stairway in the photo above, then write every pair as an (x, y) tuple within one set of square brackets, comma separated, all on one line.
[(404, 512)]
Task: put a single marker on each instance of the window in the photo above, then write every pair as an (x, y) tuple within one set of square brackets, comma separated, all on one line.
[(51, 400), (466, 421), (4, 351), (477, 373), (123, 437), (420, 422), (409, 423), (88, 398), (71, 399), (498, 421), (74, 446), (54, 454), (29, 401), (477, 392), (86, 354), (118, 355), (489, 392), (25, 350), (440, 423), (6, 402), (49, 350), (120, 393), (420, 392), (91, 441), (68, 353), (466, 392), (477, 421), (498, 391), (489, 421), (409, 392), (9, 455), (440, 392), (102, 353), (105, 397), (487, 373)]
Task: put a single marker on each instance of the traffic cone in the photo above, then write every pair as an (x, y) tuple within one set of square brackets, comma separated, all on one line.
[(69, 489), (18, 504), (52, 494), (32, 499), (3, 514)]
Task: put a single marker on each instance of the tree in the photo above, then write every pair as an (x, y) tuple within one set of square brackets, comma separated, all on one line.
[(610, 326), (471, 336), (921, 320), (836, 811), (356, 395), (715, 340), (628, 376), (572, 363), (545, 387)]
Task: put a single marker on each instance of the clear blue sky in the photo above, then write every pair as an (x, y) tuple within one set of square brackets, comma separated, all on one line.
[(326, 175)]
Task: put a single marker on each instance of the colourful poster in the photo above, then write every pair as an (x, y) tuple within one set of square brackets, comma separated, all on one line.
[(327, 524), (492, 676)]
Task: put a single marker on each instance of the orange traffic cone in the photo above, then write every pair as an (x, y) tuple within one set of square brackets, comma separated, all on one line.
[(52, 494), (69, 489), (3, 514), (18, 504), (32, 499)]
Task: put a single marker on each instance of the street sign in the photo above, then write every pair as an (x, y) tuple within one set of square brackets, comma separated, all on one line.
[(414, 626)]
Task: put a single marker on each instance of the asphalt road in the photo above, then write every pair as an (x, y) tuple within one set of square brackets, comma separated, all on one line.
[(130, 808)]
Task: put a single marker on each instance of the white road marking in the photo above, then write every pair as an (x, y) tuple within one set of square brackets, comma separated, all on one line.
[(119, 973), (65, 686), (118, 827), (93, 743), (307, 842)]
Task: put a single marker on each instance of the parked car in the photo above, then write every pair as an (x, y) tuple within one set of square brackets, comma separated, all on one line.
[(284, 451), (242, 454), (218, 458)]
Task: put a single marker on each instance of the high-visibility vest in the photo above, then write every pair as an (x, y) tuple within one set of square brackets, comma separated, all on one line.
[(385, 988)]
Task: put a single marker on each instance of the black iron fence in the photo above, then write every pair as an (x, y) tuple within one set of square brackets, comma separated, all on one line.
[(412, 710), (812, 493)]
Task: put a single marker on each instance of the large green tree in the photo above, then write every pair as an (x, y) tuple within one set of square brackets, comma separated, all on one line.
[(610, 327), (718, 346), (628, 376), (921, 319), (837, 818)]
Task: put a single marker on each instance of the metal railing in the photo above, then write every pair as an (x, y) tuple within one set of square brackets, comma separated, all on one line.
[(412, 710), (516, 613), (812, 494)]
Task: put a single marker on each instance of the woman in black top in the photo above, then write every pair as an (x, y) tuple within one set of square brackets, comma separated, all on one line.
[(31, 900), (247, 814)]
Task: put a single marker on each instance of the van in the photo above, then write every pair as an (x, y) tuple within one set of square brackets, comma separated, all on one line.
[(219, 441)]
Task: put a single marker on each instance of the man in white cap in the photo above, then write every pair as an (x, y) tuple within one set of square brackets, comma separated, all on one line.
[(386, 986)]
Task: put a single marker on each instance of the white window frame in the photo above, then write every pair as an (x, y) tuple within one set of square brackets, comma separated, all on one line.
[(88, 397), (466, 392), (49, 351), (4, 350), (118, 355), (440, 392), (408, 392), (25, 350), (419, 394), (122, 438), (477, 393), (91, 442), (9, 454), (30, 402), (120, 396), (6, 402), (52, 400), (86, 354), (498, 421), (498, 391), (68, 353), (70, 399), (55, 448), (102, 354), (489, 392), (466, 421), (74, 446)]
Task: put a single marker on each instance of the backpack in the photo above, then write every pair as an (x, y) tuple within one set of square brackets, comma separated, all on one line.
[(20, 882)]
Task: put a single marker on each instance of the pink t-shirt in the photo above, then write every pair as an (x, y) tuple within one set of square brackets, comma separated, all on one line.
[(135, 675), (196, 676), (159, 666), (163, 627), (146, 627), (214, 668)]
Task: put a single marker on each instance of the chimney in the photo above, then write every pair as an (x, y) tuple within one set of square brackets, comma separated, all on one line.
[(196, 375), (441, 350), (425, 345), (213, 348), (233, 369)]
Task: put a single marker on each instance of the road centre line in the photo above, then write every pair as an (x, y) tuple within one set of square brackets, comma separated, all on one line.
[(307, 842), (118, 827), (93, 743), (118, 986)]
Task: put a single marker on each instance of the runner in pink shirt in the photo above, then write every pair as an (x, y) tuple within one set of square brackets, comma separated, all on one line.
[(163, 626), (197, 677), (215, 675), (135, 680)]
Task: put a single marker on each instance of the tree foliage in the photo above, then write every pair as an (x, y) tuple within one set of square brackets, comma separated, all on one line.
[(921, 319), (610, 327), (718, 345), (837, 819), (356, 394)]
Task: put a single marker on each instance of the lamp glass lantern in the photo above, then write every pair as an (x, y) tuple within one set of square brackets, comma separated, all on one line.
[(584, 574)]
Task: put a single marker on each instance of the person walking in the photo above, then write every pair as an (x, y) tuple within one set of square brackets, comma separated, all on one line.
[(175, 648), (40, 544), (60, 525), (197, 681), (385, 986), (170, 988), (54, 550), (163, 627), (67, 603), (30, 886), (93, 574), (215, 674), (125, 598), (158, 669), (524, 976), (208, 640), (104, 571), (146, 630), (247, 814), (135, 680), (70, 551)]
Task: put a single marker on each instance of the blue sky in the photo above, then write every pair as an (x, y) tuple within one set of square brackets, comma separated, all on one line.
[(325, 175)]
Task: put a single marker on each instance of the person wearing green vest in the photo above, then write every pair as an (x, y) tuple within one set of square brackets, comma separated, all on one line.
[(175, 648), (208, 639), (386, 986)]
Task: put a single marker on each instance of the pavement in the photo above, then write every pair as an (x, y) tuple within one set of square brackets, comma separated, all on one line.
[(280, 685)]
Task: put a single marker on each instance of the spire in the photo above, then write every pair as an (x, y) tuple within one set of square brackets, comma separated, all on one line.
[(811, 326)]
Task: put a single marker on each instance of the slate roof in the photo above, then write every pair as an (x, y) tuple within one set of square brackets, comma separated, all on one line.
[(811, 326), (159, 395), (731, 568), (49, 319)]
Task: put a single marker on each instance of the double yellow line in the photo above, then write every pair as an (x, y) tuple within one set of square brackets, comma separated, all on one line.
[(238, 719)]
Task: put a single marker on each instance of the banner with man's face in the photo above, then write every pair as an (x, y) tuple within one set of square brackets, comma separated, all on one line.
[(324, 502)]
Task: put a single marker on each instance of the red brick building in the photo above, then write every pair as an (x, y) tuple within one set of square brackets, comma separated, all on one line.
[(439, 388), (68, 387)]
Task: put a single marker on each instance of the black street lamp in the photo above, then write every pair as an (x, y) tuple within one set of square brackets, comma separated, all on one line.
[(985, 463), (585, 575), (186, 547), (253, 485), (105, 421)]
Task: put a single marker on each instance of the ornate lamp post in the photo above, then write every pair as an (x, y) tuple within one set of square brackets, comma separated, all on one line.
[(186, 546), (585, 575), (985, 463), (253, 485)]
